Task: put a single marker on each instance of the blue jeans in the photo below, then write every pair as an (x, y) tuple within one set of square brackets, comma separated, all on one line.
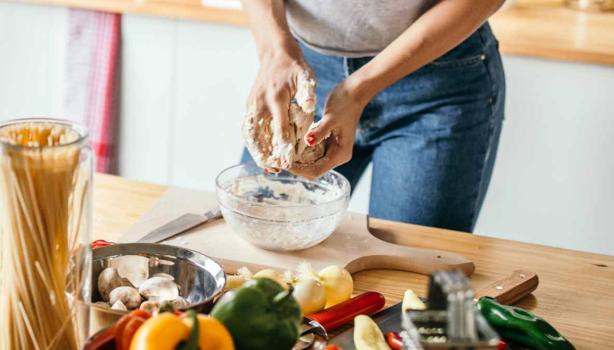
[(432, 136)]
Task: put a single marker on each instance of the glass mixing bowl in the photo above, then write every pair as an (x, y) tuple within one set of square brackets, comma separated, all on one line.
[(282, 211)]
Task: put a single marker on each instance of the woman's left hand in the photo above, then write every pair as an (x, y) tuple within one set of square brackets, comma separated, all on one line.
[(339, 121)]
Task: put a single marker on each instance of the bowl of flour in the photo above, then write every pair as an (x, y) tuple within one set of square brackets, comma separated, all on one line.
[(281, 212)]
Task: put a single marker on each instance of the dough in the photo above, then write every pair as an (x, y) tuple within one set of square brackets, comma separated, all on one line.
[(264, 140)]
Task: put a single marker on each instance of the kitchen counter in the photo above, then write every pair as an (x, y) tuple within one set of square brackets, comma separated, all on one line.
[(574, 294), (547, 29), (535, 28)]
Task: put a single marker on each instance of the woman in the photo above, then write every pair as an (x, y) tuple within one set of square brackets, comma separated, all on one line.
[(416, 87)]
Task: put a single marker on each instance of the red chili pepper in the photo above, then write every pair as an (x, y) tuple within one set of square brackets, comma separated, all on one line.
[(343, 313), (394, 340), (502, 345), (99, 243)]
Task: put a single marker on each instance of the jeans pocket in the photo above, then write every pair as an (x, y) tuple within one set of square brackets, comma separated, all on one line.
[(461, 62)]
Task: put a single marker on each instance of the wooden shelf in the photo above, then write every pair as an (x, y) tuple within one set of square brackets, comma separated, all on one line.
[(549, 30), (180, 9), (536, 28)]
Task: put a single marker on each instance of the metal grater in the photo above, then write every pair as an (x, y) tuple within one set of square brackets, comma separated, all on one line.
[(450, 321)]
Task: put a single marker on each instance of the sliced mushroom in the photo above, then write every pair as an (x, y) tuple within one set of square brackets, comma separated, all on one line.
[(129, 296), (118, 305), (159, 289)]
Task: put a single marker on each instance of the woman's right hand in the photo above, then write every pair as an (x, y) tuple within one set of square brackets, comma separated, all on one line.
[(273, 89)]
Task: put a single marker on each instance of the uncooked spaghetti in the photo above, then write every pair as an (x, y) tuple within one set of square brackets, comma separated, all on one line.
[(43, 205)]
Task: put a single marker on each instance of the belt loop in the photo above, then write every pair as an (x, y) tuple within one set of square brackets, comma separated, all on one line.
[(346, 66)]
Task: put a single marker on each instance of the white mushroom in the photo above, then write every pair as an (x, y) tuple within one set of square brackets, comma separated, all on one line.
[(133, 267), (159, 289), (149, 306), (180, 303), (129, 296), (108, 280), (118, 305), (165, 275)]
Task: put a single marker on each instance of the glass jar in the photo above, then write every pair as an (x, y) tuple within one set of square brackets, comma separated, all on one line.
[(45, 263)]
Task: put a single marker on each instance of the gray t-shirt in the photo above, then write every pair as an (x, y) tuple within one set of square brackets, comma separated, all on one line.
[(352, 28)]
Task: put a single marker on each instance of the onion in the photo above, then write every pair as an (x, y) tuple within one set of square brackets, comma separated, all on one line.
[(338, 284), (310, 294), (272, 274)]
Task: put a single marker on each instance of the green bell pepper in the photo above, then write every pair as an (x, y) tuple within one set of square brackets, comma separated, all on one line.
[(522, 327), (260, 315)]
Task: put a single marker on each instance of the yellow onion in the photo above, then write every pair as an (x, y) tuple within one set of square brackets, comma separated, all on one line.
[(310, 294), (338, 284)]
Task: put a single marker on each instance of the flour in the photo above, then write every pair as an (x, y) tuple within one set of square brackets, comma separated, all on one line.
[(263, 139)]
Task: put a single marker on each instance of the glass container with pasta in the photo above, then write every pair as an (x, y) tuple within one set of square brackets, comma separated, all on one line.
[(45, 212)]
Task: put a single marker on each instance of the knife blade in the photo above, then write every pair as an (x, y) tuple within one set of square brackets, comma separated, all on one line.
[(507, 290), (180, 225), (388, 320)]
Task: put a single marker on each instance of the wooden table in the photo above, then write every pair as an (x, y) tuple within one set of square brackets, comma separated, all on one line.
[(576, 291)]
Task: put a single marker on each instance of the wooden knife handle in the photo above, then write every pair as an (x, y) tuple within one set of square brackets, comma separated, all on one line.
[(512, 288)]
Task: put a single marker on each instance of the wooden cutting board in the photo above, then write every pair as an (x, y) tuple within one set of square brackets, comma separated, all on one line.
[(351, 245)]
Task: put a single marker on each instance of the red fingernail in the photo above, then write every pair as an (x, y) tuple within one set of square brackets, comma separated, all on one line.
[(310, 138)]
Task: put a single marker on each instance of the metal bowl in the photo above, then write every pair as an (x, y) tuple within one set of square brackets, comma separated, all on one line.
[(200, 278)]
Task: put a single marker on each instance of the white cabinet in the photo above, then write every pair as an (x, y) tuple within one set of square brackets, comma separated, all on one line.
[(183, 95)]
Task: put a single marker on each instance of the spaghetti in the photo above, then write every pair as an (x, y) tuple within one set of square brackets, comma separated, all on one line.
[(44, 196)]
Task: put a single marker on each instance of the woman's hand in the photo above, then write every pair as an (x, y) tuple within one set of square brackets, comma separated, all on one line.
[(272, 91), (338, 125)]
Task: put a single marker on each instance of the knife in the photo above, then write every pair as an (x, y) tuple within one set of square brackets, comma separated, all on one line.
[(180, 225), (317, 326), (507, 290)]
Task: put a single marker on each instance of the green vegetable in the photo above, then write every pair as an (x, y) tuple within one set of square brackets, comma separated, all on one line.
[(260, 315), (522, 327), (192, 342)]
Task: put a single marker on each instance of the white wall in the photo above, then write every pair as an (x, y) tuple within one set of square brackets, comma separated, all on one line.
[(183, 91)]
